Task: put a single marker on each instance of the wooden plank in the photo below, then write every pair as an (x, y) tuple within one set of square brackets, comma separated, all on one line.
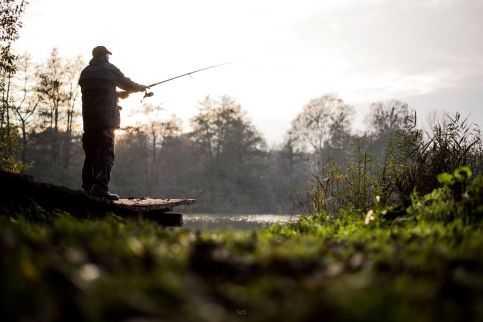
[(149, 204)]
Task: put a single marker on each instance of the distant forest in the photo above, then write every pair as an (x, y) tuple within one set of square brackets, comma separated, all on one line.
[(223, 160)]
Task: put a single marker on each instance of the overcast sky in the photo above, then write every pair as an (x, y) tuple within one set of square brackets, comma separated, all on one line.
[(428, 53)]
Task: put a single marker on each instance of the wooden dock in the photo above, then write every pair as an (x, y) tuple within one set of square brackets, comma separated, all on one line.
[(148, 204), (21, 187), (159, 210)]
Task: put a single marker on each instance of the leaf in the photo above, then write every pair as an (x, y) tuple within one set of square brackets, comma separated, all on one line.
[(445, 178), (462, 174)]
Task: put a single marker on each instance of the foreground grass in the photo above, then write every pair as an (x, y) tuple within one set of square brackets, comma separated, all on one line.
[(424, 266)]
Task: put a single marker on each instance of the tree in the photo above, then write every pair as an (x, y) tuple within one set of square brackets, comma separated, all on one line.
[(384, 120), (161, 131), (10, 13), (229, 146), (26, 101), (130, 172), (386, 117), (72, 71), (323, 123), (222, 127), (58, 92), (289, 175)]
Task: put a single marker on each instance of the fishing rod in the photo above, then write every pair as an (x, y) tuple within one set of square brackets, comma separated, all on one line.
[(186, 74), (150, 94)]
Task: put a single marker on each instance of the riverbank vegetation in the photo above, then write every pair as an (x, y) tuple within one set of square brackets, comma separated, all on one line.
[(425, 265)]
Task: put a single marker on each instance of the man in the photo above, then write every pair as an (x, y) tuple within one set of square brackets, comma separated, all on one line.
[(101, 117)]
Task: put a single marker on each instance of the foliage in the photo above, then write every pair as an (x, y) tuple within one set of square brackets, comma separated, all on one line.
[(424, 268), (414, 162), (230, 150), (409, 161), (363, 172), (460, 198), (10, 14), (340, 185), (9, 149)]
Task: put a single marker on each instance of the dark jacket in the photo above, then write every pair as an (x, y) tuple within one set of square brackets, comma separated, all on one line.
[(98, 83)]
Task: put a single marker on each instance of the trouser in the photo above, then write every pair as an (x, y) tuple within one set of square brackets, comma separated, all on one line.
[(98, 145)]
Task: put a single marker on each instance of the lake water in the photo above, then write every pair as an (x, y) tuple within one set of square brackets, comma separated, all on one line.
[(236, 222)]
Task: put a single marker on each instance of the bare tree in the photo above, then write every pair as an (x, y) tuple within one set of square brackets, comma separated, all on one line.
[(384, 120), (161, 129), (58, 93), (26, 101), (72, 71), (387, 116), (323, 122)]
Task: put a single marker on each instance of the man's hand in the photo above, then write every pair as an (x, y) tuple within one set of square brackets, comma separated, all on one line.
[(142, 88), (123, 94)]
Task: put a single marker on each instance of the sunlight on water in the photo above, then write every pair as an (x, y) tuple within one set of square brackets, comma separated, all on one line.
[(236, 222)]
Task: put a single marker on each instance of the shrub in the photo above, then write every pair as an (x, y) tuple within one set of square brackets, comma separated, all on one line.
[(460, 198)]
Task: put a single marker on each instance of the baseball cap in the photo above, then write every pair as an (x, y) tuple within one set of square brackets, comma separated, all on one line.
[(100, 51)]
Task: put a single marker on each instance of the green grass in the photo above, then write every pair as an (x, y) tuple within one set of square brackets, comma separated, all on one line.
[(426, 265)]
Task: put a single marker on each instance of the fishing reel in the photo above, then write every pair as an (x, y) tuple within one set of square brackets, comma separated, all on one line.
[(125, 94), (147, 94)]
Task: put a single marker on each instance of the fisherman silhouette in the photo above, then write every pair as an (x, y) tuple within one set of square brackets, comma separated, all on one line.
[(101, 117)]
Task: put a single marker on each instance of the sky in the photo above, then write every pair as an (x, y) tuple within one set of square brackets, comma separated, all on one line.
[(428, 53)]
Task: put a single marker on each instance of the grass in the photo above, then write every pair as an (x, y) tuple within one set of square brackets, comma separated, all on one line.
[(424, 265)]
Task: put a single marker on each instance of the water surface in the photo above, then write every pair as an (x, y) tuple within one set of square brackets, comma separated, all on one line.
[(236, 222)]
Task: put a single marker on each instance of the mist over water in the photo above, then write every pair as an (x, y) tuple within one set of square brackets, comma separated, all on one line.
[(215, 222)]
